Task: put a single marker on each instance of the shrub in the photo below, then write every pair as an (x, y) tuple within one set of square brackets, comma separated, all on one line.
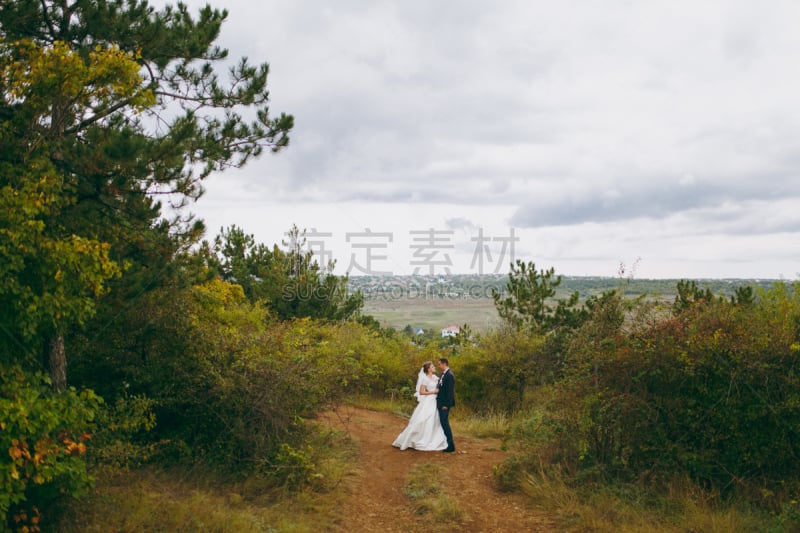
[(709, 390), (495, 373), (43, 437), (235, 384), (120, 426)]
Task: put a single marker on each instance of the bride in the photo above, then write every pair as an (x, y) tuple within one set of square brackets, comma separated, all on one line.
[(424, 432)]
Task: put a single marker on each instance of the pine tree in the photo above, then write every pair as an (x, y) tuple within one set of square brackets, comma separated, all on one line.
[(109, 107)]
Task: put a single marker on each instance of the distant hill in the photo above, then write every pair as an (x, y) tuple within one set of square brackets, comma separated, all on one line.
[(474, 286), (434, 302)]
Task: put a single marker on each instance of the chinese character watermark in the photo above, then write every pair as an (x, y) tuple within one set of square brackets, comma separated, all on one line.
[(317, 248), (369, 241), (431, 251), (432, 242)]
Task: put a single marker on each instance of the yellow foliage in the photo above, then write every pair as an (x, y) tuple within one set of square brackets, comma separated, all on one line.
[(55, 78)]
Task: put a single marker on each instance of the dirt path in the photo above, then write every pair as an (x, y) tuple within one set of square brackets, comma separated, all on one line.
[(378, 501)]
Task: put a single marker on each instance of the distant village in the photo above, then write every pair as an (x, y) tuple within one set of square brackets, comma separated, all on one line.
[(427, 287), (475, 286), (433, 306)]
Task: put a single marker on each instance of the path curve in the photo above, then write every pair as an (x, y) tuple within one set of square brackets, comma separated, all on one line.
[(377, 501)]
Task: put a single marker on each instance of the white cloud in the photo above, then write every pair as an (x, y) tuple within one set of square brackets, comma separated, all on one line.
[(665, 130)]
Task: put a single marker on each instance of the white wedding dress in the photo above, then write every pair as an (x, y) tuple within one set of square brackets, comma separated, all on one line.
[(424, 431)]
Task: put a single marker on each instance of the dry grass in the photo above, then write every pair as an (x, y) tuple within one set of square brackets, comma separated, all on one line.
[(429, 498), (397, 405), (178, 500), (433, 314), (487, 425), (603, 509), (197, 499), (151, 500), (679, 506)]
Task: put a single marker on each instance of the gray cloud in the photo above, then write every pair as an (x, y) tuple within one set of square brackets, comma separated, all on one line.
[(461, 224), (658, 199), (565, 114)]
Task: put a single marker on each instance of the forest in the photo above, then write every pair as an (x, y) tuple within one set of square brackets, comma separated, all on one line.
[(132, 343)]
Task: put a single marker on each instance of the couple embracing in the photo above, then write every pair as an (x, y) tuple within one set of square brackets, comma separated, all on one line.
[(429, 426)]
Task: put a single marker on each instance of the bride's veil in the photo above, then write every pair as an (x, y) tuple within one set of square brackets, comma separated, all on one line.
[(420, 380)]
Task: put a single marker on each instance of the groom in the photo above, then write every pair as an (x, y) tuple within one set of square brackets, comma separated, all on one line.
[(446, 400)]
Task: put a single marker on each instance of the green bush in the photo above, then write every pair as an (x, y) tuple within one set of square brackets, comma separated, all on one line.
[(710, 390), (230, 381), (495, 373), (293, 468), (120, 425), (43, 438)]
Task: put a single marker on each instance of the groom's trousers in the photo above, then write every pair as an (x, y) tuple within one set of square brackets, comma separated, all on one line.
[(444, 415)]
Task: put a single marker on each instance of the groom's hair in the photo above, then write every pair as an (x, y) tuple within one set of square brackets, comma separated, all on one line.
[(444, 360)]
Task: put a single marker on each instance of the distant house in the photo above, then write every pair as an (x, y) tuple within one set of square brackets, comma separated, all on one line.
[(419, 331), (450, 331)]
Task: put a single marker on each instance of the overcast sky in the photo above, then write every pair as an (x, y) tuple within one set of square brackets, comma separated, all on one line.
[(661, 135)]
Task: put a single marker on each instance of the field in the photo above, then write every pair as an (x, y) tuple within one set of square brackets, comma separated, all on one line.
[(433, 313), (432, 303)]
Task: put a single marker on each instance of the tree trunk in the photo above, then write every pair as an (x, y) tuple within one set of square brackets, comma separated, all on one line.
[(57, 362)]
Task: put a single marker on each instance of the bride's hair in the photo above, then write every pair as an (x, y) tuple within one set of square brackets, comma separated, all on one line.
[(425, 366)]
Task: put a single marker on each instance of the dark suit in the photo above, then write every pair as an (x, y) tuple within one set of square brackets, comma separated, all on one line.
[(446, 398)]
